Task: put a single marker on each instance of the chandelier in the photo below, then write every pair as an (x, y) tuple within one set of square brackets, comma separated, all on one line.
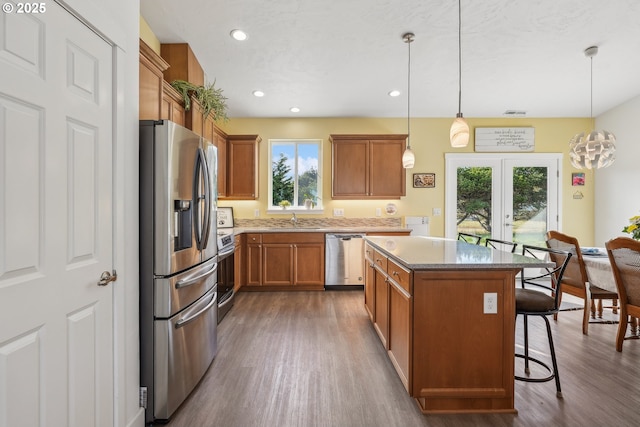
[(598, 148)]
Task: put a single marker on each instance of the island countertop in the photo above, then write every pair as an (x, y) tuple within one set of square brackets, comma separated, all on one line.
[(432, 253)]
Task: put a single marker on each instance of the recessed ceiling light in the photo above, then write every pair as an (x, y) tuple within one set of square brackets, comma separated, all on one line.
[(394, 93), (258, 93), (239, 35), (294, 109)]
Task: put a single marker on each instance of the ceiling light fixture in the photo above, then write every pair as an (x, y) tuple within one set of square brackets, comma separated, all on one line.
[(258, 93), (394, 93), (596, 150), (459, 134), (408, 158), (294, 109), (239, 35)]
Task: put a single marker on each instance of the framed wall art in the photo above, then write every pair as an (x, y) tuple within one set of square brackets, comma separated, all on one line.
[(225, 217), (577, 178), (424, 180)]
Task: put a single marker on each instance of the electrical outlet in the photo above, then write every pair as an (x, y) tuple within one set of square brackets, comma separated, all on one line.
[(256, 213), (338, 212), (437, 211), (490, 303), (378, 212)]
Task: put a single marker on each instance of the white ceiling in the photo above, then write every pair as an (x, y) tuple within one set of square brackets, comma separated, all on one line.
[(340, 58)]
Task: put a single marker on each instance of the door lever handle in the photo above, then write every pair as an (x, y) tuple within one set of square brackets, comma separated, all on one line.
[(106, 277)]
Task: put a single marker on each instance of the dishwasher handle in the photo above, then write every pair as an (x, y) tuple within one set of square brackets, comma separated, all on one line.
[(346, 236)]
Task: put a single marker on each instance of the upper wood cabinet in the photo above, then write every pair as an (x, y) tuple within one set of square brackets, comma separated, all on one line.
[(242, 167), (151, 83), (368, 166), (183, 63), (220, 141), (172, 105)]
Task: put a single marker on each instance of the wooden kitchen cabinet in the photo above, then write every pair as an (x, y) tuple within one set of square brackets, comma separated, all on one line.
[(381, 322), (369, 282), (242, 167), (172, 105), (285, 261), (220, 141), (368, 166), (184, 64), (254, 259), (151, 83), (238, 263)]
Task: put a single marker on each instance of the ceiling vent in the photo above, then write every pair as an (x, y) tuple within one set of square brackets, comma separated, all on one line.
[(515, 113)]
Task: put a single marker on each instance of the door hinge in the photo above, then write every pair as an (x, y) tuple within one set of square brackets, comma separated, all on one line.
[(143, 397)]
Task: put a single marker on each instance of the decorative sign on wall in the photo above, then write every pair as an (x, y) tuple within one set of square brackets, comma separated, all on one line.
[(505, 139)]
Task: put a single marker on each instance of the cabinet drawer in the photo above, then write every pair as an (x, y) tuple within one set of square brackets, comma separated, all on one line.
[(399, 275), (292, 238), (368, 252), (380, 260), (254, 238)]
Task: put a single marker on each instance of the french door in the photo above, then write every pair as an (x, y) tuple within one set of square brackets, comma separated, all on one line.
[(514, 197)]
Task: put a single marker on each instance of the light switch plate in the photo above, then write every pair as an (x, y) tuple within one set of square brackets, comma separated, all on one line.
[(490, 303), (437, 211), (338, 212)]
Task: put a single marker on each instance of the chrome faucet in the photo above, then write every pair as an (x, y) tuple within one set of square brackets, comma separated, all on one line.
[(294, 219)]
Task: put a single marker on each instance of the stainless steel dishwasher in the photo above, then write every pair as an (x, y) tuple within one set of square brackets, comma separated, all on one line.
[(344, 261)]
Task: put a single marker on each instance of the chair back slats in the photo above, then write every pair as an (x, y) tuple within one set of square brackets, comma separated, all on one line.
[(576, 272), (550, 280), (624, 255), (474, 239), (502, 245)]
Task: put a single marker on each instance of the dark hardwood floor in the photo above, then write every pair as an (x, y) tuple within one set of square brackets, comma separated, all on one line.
[(313, 359)]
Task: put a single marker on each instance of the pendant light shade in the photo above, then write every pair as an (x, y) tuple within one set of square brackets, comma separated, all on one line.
[(408, 158), (459, 133), (597, 149)]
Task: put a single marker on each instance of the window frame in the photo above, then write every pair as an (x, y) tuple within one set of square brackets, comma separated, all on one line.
[(318, 208)]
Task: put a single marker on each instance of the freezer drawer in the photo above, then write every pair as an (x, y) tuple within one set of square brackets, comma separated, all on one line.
[(185, 346)]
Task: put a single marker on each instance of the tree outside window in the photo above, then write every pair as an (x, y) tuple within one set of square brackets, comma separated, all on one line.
[(294, 176)]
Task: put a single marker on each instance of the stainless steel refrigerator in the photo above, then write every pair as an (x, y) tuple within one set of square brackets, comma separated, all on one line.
[(178, 263)]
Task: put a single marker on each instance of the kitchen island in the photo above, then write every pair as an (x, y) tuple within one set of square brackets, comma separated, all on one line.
[(445, 312)]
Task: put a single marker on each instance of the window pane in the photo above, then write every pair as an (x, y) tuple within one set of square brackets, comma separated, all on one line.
[(294, 172), (530, 205), (307, 173), (474, 201)]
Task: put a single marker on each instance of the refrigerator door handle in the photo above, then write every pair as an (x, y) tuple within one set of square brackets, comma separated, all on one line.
[(185, 320), (183, 283), (201, 175)]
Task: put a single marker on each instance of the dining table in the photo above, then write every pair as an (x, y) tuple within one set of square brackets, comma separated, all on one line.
[(600, 274)]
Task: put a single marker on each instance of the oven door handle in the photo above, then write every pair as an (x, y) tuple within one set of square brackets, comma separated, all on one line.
[(182, 322), (191, 280), (225, 253)]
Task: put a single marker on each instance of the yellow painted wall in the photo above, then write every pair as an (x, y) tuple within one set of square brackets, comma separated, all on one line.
[(430, 142), (148, 36)]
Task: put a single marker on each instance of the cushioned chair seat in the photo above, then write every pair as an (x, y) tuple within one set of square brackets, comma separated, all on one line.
[(530, 301)]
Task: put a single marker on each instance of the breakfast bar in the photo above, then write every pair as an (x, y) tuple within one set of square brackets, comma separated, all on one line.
[(445, 312)]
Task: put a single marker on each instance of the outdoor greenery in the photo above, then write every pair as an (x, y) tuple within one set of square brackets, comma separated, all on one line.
[(474, 194), (284, 186)]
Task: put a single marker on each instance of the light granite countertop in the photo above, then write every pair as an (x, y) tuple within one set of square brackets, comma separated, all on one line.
[(319, 229), (432, 253)]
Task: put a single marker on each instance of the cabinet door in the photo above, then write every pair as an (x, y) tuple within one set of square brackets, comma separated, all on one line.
[(381, 323), (387, 177), (254, 264), (350, 170), (370, 289), (308, 263), (242, 167), (238, 263), (277, 264), (208, 129), (150, 83), (221, 142), (399, 332)]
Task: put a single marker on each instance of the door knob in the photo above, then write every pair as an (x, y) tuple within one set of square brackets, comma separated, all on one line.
[(107, 277)]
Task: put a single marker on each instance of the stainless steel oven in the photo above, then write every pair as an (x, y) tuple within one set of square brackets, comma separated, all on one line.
[(226, 249)]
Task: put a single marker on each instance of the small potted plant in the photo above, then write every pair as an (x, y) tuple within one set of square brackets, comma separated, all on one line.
[(283, 204)]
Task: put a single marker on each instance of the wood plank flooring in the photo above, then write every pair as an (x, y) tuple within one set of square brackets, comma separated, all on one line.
[(313, 359)]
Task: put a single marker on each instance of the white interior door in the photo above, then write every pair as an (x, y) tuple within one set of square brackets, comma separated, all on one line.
[(56, 332), (512, 197)]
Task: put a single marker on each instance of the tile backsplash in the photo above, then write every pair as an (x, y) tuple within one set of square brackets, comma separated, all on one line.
[(318, 222)]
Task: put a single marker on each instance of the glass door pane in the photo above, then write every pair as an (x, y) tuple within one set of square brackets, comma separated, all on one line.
[(529, 205), (474, 209)]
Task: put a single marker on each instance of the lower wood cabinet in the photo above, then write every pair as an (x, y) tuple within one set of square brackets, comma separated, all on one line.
[(277, 261)]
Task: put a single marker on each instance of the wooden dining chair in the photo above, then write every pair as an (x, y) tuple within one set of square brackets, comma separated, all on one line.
[(540, 296), (474, 239), (576, 282), (624, 255), (502, 245)]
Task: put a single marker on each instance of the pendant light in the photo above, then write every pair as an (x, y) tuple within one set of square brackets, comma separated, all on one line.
[(459, 134), (596, 150), (408, 158)]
